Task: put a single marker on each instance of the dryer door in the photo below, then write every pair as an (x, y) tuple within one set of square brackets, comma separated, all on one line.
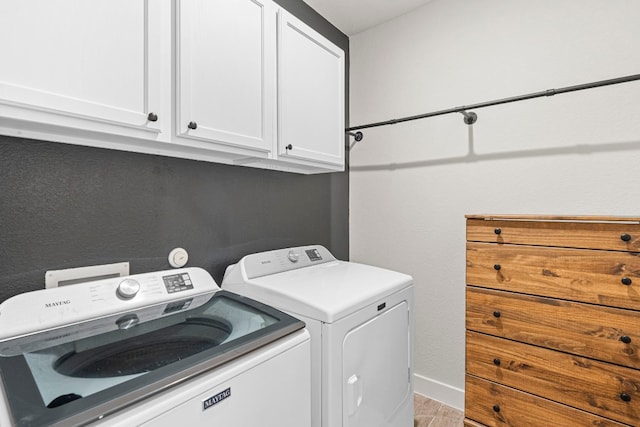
[(376, 369)]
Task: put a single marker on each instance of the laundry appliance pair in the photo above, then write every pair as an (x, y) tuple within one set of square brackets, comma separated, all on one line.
[(172, 348)]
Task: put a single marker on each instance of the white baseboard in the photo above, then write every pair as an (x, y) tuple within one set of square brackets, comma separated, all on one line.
[(444, 393)]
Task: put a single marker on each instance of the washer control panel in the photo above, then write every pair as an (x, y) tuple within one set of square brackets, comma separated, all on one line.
[(53, 308), (272, 262), (177, 282)]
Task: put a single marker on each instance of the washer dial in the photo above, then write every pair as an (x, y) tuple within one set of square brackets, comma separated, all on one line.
[(128, 289), (293, 256)]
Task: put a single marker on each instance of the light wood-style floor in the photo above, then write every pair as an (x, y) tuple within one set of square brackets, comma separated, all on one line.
[(430, 413)]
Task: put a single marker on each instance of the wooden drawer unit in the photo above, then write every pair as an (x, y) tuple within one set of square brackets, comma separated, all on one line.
[(583, 329), (498, 405), (585, 232), (553, 321), (576, 381), (599, 277)]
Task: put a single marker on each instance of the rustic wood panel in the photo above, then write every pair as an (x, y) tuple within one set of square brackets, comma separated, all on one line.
[(586, 235), (519, 409), (562, 218), (573, 380), (577, 328), (582, 275)]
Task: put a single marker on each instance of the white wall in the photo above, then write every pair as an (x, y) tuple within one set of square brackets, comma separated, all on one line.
[(412, 183)]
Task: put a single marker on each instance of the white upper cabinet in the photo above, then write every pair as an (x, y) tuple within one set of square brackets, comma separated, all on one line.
[(310, 94), (232, 81), (226, 72), (82, 64)]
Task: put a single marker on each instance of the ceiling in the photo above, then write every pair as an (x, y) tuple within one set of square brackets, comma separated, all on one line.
[(354, 16)]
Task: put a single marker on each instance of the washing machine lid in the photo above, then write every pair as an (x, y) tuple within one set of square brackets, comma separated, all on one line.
[(316, 285), (76, 378)]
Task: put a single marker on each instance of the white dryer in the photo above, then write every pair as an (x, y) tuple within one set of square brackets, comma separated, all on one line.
[(361, 323)]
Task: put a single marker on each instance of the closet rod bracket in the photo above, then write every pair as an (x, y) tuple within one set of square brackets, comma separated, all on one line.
[(357, 135), (469, 118)]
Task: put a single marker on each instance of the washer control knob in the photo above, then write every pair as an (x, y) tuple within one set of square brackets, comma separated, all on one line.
[(128, 289), (293, 256)]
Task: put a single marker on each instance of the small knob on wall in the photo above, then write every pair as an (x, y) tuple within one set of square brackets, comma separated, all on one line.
[(152, 117), (178, 257), (289, 147), (192, 125)]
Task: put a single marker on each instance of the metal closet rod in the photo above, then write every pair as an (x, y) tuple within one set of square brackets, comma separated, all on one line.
[(470, 117)]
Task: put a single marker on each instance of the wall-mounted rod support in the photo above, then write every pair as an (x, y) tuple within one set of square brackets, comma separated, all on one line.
[(463, 109), (357, 135), (469, 118)]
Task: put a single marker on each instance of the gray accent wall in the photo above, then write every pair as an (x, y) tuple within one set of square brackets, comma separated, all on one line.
[(64, 206)]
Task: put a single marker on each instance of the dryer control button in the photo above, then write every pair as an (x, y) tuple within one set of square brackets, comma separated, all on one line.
[(293, 256), (128, 289)]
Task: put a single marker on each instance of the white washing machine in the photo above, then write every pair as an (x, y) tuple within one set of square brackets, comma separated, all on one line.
[(156, 349), (361, 323)]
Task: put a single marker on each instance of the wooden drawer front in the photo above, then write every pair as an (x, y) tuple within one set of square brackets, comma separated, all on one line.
[(599, 277), (583, 329), (588, 235), (492, 405), (597, 387)]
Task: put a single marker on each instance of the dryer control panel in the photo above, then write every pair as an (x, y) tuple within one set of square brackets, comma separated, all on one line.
[(280, 260)]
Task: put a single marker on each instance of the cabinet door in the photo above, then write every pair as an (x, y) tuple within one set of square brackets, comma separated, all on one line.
[(226, 72), (310, 94), (80, 63)]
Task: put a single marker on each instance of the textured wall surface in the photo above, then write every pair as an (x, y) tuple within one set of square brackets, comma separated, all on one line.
[(412, 183), (64, 206)]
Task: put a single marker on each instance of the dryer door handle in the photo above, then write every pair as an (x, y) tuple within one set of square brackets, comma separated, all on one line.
[(354, 393)]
